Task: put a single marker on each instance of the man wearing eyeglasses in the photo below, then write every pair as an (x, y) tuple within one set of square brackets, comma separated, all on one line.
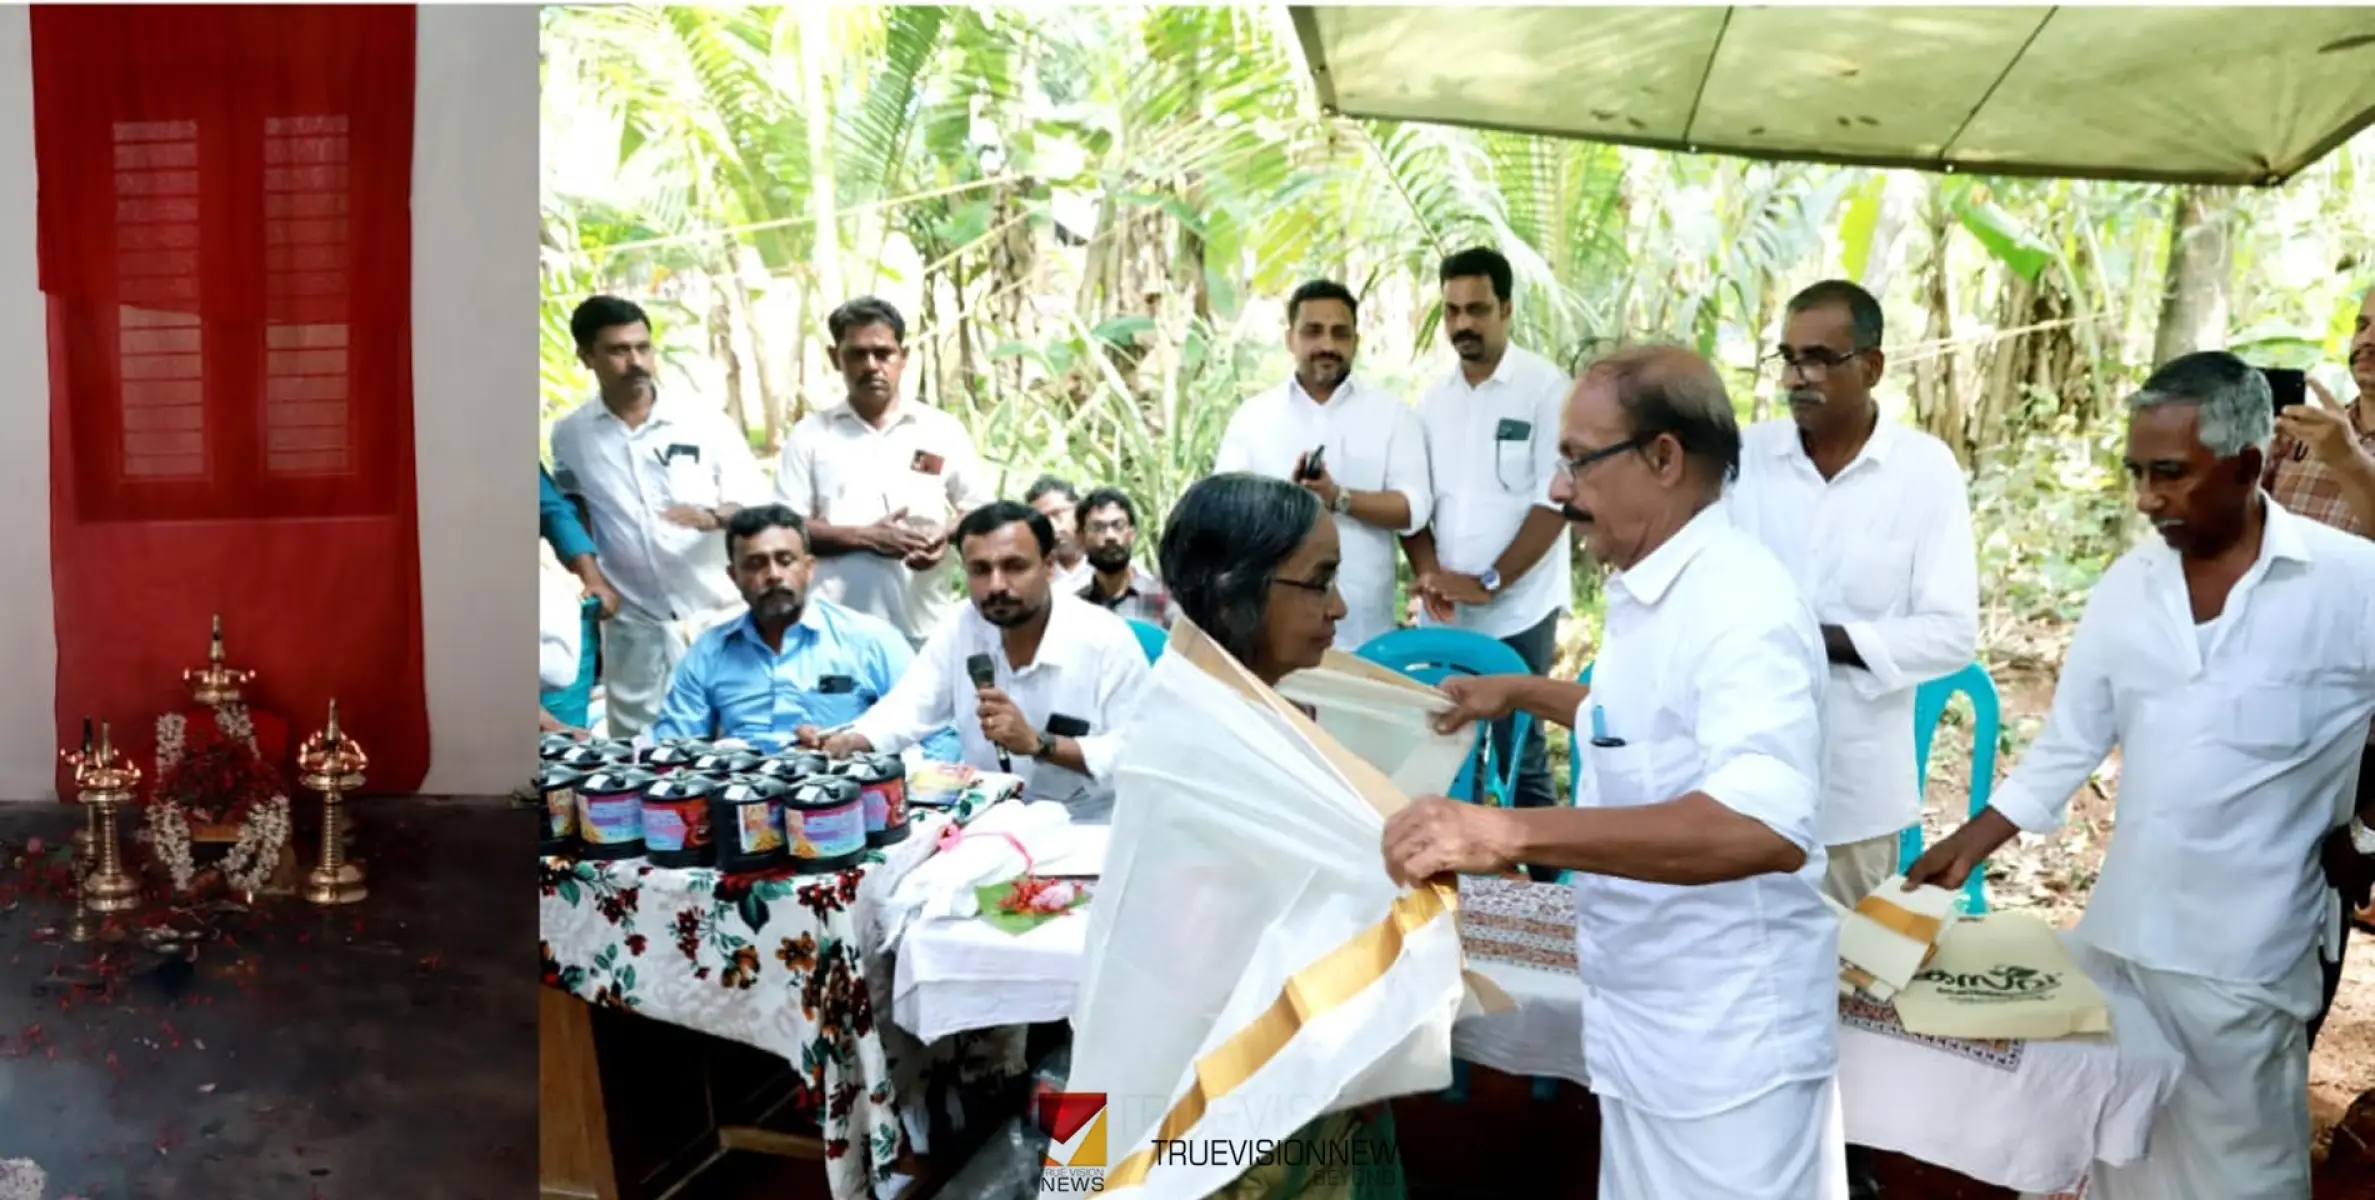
[(1709, 962), (1874, 522)]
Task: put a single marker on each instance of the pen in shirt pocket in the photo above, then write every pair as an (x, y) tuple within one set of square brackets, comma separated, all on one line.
[(1600, 736)]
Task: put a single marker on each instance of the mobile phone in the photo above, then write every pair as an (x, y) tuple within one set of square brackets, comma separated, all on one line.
[(1312, 467), (2288, 386)]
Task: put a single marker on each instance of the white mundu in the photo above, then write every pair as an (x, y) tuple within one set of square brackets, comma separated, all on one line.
[(1884, 551), (1373, 443), (1710, 1013), (2240, 740)]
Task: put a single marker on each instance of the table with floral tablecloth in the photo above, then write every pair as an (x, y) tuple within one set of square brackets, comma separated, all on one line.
[(773, 960)]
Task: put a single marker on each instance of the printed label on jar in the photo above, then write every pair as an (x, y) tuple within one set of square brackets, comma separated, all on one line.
[(560, 812), (612, 820), (877, 797), (828, 833), (663, 828), (759, 830)]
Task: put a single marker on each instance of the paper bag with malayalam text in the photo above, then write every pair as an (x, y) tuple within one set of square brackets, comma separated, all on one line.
[(2005, 975)]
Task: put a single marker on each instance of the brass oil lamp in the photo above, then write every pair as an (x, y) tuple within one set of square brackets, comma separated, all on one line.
[(215, 683), (332, 763), (106, 780)]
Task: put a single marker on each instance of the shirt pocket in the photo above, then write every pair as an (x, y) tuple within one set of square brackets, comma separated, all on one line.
[(1650, 771), (2271, 718), (1873, 576), (687, 480), (828, 709), (1511, 460)]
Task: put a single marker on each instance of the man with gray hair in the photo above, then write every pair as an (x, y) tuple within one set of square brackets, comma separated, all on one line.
[(2233, 665), (1709, 962)]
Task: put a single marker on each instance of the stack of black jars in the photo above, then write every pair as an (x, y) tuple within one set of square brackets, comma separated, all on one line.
[(690, 804)]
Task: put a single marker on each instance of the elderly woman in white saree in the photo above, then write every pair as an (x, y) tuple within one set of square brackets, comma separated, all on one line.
[(1251, 566)]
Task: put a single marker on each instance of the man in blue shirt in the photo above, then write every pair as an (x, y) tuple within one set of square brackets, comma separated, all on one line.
[(792, 660)]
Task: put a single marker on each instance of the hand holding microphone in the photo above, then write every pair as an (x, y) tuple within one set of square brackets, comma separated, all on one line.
[(994, 707)]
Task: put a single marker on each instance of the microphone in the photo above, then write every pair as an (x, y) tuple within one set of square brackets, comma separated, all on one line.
[(985, 674)]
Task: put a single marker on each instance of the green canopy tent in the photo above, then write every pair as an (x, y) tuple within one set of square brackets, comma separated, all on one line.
[(2176, 95)]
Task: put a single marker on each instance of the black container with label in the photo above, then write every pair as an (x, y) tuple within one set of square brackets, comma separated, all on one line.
[(676, 824), (610, 813)]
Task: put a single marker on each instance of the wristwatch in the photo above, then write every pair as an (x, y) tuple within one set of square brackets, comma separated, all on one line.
[(2362, 839), (1047, 746), (1343, 504), (1490, 580)]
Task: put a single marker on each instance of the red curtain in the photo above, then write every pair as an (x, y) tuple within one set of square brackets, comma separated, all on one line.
[(226, 245)]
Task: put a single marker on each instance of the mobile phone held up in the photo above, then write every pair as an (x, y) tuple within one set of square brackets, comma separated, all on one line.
[(2288, 386), (1313, 468)]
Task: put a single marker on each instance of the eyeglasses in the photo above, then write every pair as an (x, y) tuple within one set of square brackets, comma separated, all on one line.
[(1318, 587), (1569, 468), (1810, 365)]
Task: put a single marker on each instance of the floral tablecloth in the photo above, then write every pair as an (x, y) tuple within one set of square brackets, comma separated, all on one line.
[(777, 961)]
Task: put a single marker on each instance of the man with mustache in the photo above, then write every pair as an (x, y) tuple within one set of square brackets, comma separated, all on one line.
[(791, 659), (1371, 469), (2232, 663), (2322, 467), (1063, 672), (1494, 557), (1873, 520), (880, 480), (1109, 528), (659, 480), (1055, 500), (1709, 963)]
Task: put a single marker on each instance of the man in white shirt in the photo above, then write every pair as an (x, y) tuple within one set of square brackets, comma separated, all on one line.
[(1494, 557), (659, 479), (881, 480), (1873, 520), (1372, 453), (1055, 500), (1063, 673), (2232, 663), (1710, 964)]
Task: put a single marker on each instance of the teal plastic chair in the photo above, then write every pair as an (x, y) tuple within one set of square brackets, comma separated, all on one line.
[(1929, 708), (1151, 638), (1435, 653)]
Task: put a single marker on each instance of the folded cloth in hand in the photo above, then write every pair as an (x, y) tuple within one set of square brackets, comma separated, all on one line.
[(1889, 935)]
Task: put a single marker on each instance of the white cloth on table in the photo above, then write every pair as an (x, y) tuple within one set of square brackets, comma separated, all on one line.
[(1786, 1144), (956, 975), (2236, 1125), (2035, 1127)]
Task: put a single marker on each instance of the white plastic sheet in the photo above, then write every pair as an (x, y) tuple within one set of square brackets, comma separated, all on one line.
[(1224, 999)]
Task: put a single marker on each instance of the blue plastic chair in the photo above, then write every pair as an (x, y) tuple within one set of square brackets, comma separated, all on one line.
[(1929, 708), (1151, 638), (1435, 653)]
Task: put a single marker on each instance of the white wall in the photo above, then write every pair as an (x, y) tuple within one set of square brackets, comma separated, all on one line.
[(28, 643), (474, 404), (474, 382)]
